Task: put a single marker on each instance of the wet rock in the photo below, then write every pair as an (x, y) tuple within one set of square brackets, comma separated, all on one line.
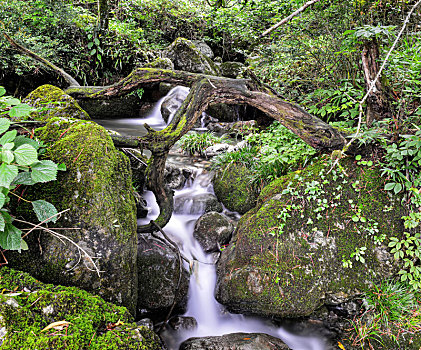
[(237, 341), (158, 276), (198, 204), (141, 206), (176, 176), (138, 165), (97, 187), (232, 187), (240, 128), (162, 63), (179, 323), (173, 101), (226, 113), (217, 149), (186, 56), (287, 261), (212, 230), (231, 69)]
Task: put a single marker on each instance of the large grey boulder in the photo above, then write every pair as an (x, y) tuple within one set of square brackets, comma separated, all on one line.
[(173, 101), (293, 252), (186, 56), (97, 192)]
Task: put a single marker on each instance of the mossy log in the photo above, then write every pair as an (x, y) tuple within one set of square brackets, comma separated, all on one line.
[(205, 90)]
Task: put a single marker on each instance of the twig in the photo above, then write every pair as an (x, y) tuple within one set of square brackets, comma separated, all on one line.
[(60, 236)]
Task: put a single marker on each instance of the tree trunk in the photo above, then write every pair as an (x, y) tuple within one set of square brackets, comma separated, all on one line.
[(103, 14), (378, 106)]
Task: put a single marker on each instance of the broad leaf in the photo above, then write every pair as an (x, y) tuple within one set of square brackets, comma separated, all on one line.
[(44, 171), (2, 223), (7, 156), (61, 167), (45, 210), (2, 199), (6, 216), (23, 140), (23, 245), (8, 137), (20, 110), (10, 238), (7, 173), (24, 179), (4, 125), (2, 91), (26, 155)]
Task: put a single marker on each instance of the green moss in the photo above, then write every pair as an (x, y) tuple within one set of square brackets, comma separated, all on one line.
[(302, 254), (34, 305), (50, 101), (232, 187)]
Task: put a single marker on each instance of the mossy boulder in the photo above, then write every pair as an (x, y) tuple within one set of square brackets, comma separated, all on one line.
[(27, 307), (287, 255), (51, 101), (97, 188), (232, 187), (162, 63), (186, 56), (232, 69)]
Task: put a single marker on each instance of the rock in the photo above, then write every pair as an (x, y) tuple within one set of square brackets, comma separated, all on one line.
[(97, 188), (162, 63), (217, 149), (138, 165), (198, 204), (288, 253), (176, 176), (232, 187), (179, 323), (173, 101), (186, 56), (226, 113), (51, 101), (213, 230), (231, 69), (87, 321), (158, 267), (237, 341), (204, 48), (240, 128)]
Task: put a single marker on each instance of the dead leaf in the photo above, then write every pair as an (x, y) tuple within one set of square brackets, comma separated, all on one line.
[(341, 346), (59, 325)]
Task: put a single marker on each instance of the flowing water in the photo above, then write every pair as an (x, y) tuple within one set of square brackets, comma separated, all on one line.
[(211, 317)]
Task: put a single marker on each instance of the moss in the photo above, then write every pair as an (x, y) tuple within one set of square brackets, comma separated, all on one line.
[(299, 233), (93, 323), (51, 101), (232, 187)]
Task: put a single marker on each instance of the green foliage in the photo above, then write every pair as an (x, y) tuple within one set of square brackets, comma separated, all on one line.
[(269, 154), (391, 310), (192, 143), (19, 165)]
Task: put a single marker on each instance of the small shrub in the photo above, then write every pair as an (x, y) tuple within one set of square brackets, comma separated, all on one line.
[(197, 143)]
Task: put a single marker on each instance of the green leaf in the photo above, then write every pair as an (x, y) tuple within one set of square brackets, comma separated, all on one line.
[(2, 91), (397, 188), (44, 171), (62, 167), (6, 216), (8, 137), (358, 157), (2, 199), (24, 179), (7, 173), (355, 218), (44, 210), (23, 140), (26, 155), (23, 245), (7, 156), (4, 125), (2, 223), (10, 238), (96, 40), (20, 110), (93, 52), (389, 186)]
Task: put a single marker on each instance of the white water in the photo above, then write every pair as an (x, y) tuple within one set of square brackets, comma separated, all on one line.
[(212, 318)]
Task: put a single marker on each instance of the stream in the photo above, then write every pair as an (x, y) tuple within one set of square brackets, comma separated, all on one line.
[(212, 318)]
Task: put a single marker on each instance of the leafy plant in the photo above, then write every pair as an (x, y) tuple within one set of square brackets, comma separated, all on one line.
[(197, 143), (19, 165)]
